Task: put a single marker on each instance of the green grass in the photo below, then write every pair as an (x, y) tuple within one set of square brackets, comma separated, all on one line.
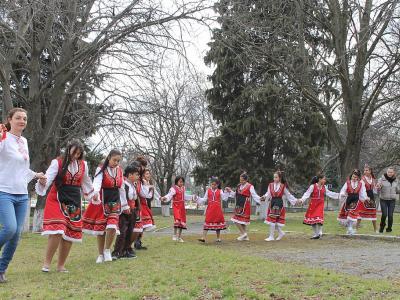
[(171, 270)]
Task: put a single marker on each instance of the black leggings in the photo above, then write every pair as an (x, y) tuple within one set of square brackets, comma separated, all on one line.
[(387, 207)]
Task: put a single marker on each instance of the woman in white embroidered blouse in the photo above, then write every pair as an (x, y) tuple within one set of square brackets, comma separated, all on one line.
[(15, 175)]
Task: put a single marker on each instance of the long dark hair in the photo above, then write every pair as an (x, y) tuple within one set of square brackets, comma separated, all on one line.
[(77, 146), (245, 176), (317, 178), (112, 153), (281, 176), (216, 180)]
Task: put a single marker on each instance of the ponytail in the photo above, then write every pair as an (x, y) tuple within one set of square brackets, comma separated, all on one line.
[(112, 153)]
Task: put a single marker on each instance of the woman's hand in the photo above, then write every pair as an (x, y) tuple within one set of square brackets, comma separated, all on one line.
[(3, 130), (96, 200)]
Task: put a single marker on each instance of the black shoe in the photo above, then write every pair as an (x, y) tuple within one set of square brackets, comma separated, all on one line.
[(3, 278), (202, 240), (115, 255), (316, 237), (381, 228), (388, 229), (141, 248), (129, 255)]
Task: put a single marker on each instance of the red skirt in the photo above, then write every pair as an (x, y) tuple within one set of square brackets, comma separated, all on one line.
[(138, 226), (146, 216), (179, 214), (352, 215), (367, 213), (244, 217), (55, 222), (279, 220), (96, 223), (315, 212), (214, 217)]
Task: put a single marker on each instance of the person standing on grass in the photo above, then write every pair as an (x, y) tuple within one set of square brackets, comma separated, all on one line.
[(314, 216), (368, 207), (15, 175), (178, 196), (244, 192), (276, 209), (353, 191), (101, 217), (122, 247), (214, 216), (62, 220), (388, 188)]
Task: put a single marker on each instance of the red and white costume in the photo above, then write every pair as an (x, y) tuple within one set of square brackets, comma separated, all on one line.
[(243, 195), (139, 224), (315, 211), (354, 192), (98, 218), (214, 216), (178, 196), (147, 192), (367, 209), (276, 209), (63, 210)]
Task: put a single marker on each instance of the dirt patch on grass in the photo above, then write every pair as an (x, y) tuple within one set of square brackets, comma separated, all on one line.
[(365, 258)]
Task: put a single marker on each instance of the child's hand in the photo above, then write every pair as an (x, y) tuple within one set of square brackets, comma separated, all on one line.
[(127, 211), (96, 200)]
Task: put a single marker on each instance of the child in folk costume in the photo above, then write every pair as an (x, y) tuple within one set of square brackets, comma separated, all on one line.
[(101, 217), (214, 215), (276, 209), (62, 221), (244, 192), (315, 212), (178, 196), (368, 207), (122, 247), (146, 195), (353, 191)]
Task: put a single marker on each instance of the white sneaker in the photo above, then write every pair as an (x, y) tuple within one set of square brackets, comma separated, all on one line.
[(246, 238), (280, 236), (243, 237), (174, 238), (240, 237), (269, 239), (107, 255), (100, 259), (180, 240)]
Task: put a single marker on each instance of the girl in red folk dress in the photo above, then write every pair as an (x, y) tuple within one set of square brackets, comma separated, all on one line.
[(178, 196), (62, 222), (101, 217), (244, 192), (276, 209), (214, 215), (353, 191), (315, 212), (368, 207)]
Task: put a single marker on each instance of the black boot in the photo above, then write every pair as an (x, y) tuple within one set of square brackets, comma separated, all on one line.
[(388, 229), (381, 227)]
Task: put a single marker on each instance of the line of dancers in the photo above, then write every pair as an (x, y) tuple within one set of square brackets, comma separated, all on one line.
[(119, 207)]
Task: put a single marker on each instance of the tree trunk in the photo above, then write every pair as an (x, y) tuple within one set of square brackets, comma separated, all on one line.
[(5, 85)]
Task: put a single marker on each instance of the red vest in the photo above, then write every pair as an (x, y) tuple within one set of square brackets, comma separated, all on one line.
[(318, 193), (214, 196), (70, 179), (279, 193), (179, 194), (245, 191), (350, 189), (368, 186), (111, 182)]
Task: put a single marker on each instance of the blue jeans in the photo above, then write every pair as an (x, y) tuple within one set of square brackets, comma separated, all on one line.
[(13, 210)]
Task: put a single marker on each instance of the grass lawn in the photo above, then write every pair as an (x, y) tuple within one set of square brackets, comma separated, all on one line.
[(171, 270)]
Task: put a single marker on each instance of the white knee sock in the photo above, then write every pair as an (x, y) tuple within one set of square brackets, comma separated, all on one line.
[(319, 229), (280, 231), (271, 230), (315, 229)]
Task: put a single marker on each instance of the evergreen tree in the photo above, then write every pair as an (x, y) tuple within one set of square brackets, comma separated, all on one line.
[(264, 123)]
